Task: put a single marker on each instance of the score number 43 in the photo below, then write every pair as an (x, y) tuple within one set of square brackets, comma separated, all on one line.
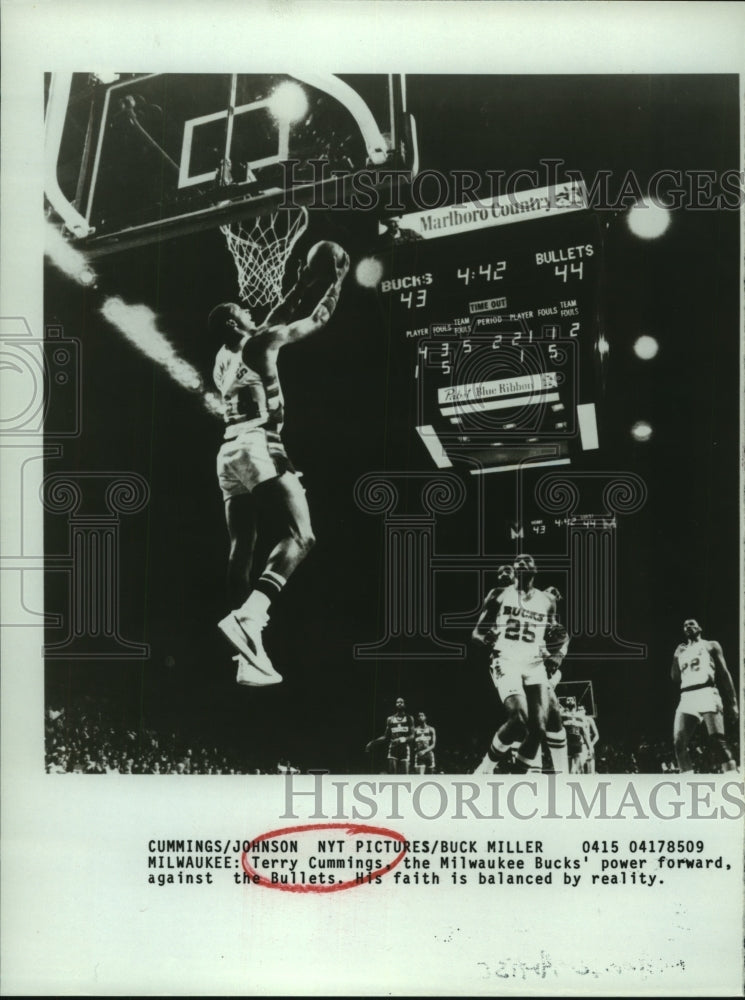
[(414, 299)]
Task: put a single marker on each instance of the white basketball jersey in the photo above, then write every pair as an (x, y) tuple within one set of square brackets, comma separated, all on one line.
[(248, 398), (521, 623), (696, 664)]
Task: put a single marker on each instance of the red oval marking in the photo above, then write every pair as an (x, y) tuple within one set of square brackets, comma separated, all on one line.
[(351, 829)]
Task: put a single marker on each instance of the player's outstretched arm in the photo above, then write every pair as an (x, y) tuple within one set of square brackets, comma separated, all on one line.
[(319, 317), (325, 261), (385, 738), (723, 677)]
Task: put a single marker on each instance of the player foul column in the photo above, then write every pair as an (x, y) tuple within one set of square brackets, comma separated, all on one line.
[(264, 498)]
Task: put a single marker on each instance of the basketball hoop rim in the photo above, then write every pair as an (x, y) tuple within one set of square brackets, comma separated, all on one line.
[(261, 247)]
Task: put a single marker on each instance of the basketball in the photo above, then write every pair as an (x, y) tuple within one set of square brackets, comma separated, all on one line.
[(327, 256)]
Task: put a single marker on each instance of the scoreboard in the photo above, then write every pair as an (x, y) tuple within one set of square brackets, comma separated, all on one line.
[(502, 314)]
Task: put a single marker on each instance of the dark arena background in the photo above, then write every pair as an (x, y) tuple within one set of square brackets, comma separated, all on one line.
[(668, 409)]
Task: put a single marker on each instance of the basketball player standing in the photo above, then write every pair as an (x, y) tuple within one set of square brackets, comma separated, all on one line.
[(699, 667), (399, 735)]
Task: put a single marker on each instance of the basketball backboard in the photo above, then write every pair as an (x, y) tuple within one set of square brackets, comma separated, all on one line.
[(581, 691), (146, 156)]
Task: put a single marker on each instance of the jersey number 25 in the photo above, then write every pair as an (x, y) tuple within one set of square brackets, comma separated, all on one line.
[(515, 629)]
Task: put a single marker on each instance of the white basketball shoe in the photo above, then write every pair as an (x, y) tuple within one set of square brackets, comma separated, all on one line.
[(245, 634), (250, 676)]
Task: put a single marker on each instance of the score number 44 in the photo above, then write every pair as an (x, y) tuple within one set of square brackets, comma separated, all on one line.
[(564, 270)]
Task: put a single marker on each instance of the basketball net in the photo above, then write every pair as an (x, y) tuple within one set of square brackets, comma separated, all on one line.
[(260, 249)]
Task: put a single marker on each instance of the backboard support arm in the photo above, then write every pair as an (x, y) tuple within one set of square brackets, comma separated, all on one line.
[(59, 93)]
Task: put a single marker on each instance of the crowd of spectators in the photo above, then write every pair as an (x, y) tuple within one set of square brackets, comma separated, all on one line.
[(89, 738), (85, 739), (645, 757), (653, 757)]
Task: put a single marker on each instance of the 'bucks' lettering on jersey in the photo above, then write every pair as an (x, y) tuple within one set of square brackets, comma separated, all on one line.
[(247, 396), (521, 622), (696, 664)]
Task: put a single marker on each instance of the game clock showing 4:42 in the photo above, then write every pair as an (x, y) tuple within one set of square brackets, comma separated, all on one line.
[(503, 329)]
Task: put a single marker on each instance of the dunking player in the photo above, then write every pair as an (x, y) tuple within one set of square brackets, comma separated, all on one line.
[(399, 735), (425, 739), (518, 623), (699, 667), (262, 491)]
